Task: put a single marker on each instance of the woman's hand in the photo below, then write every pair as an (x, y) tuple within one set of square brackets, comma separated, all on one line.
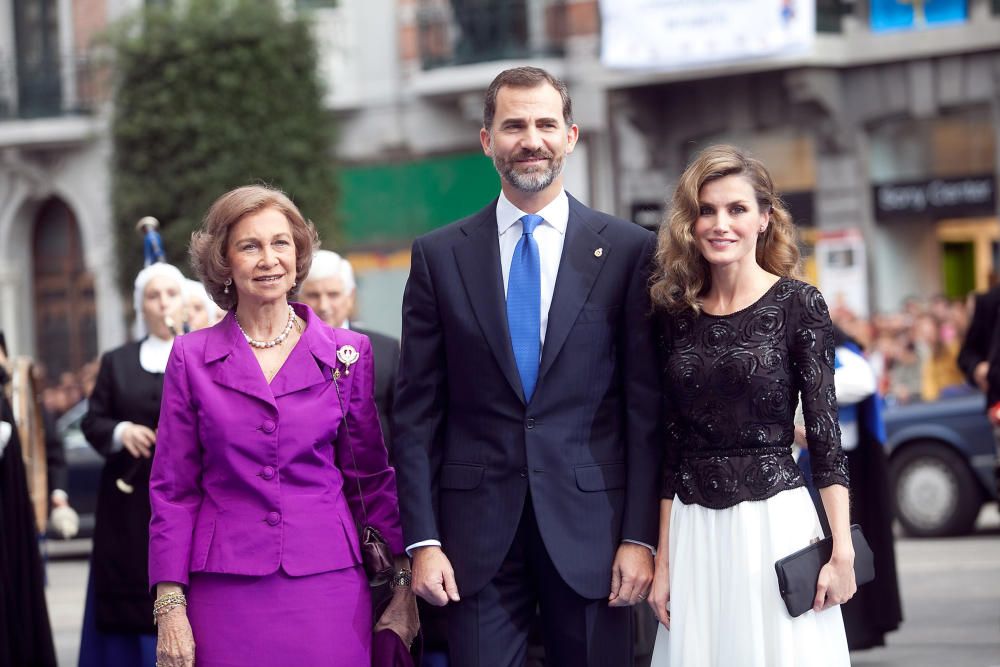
[(836, 583), (659, 595), (401, 615), (174, 642), (138, 440)]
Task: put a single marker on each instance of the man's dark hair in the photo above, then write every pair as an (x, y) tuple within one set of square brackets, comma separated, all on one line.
[(524, 77)]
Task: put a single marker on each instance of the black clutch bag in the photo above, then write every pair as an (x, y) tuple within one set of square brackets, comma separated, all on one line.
[(799, 572)]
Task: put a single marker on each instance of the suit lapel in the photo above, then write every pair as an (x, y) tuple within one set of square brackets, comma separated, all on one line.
[(231, 362), (578, 269), (478, 259)]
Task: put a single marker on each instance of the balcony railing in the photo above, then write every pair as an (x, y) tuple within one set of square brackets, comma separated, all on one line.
[(52, 86), (462, 32)]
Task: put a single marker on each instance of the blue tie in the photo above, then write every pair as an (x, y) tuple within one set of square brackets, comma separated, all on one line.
[(524, 305)]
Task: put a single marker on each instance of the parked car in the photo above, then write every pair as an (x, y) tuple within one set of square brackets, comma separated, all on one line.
[(84, 466), (941, 461)]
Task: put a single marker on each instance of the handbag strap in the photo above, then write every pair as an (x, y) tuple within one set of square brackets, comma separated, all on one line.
[(350, 446)]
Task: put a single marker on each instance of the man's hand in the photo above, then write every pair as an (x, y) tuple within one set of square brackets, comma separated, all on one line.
[(433, 576), (631, 575), (980, 373), (63, 519)]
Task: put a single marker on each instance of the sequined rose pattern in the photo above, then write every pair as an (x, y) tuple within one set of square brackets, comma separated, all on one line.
[(731, 385), (730, 375)]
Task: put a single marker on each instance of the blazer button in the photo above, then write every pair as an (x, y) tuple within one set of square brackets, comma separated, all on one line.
[(267, 472), (273, 518), (268, 426), (530, 423), (523, 472)]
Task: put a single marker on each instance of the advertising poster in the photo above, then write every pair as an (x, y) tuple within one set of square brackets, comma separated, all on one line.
[(673, 34), (842, 272)]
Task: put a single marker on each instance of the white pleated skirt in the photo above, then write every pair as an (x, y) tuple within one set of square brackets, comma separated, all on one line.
[(725, 608)]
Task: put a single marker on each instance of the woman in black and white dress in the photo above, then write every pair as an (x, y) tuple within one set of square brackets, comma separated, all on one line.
[(743, 340)]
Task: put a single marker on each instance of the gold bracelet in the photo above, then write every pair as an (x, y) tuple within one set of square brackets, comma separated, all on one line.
[(166, 602), (170, 598)]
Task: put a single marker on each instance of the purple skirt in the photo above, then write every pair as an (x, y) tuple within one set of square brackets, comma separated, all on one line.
[(277, 620)]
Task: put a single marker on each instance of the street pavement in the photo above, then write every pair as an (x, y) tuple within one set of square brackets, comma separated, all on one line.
[(950, 588)]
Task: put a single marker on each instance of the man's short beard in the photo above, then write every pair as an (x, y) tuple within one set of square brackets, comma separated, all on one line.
[(533, 181)]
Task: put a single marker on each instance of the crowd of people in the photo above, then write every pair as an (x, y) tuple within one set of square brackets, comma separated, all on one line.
[(914, 351), (538, 456)]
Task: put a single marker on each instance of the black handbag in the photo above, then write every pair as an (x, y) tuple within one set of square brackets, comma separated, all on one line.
[(798, 573), (388, 650), (375, 553)]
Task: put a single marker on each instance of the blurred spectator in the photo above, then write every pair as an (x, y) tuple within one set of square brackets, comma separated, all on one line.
[(201, 310), (913, 351), (936, 345)]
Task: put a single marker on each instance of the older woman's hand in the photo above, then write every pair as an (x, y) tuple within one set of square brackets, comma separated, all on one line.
[(175, 641), (401, 615)]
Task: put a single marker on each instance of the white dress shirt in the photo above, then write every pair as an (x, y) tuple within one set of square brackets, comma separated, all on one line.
[(549, 235)]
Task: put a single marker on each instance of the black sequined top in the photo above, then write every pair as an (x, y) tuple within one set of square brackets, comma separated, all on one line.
[(731, 385)]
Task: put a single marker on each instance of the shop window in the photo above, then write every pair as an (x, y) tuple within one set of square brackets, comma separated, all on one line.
[(959, 144)]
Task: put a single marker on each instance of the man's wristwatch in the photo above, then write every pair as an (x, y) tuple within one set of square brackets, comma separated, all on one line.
[(401, 578)]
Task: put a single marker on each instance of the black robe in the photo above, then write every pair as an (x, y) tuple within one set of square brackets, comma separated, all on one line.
[(123, 392), (25, 634), (876, 608)]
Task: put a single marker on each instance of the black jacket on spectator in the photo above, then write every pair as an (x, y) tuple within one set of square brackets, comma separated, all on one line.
[(386, 352), (981, 334), (25, 633), (123, 392), (993, 377)]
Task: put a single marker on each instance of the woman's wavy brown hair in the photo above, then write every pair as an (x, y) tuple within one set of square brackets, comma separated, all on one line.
[(681, 276), (210, 243)]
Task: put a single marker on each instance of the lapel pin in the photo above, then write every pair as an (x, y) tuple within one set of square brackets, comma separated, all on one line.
[(348, 356), (599, 252)]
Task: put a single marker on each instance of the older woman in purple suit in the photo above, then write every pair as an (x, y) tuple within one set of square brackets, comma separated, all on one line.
[(268, 439)]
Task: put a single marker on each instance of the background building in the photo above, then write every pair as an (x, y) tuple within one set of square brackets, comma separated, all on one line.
[(879, 118), (58, 298)]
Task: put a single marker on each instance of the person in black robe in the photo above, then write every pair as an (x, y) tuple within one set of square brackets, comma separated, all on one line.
[(876, 609), (25, 633), (120, 423)]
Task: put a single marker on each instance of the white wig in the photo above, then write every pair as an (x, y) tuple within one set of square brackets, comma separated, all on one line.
[(195, 290), (328, 264), (152, 271)]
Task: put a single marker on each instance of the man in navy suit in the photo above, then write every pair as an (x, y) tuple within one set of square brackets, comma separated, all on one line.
[(526, 415)]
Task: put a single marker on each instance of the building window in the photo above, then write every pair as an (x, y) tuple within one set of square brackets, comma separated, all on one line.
[(36, 34), (829, 14), (460, 32)]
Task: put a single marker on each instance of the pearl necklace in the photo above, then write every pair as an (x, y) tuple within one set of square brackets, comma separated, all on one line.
[(264, 344)]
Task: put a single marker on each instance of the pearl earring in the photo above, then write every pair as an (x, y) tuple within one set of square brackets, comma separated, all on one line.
[(229, 281)]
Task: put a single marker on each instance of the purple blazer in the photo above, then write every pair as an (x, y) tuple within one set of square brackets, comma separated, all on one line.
[(249, 477)]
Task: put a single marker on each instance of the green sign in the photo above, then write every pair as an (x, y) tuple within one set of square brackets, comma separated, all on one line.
[(391, 204)]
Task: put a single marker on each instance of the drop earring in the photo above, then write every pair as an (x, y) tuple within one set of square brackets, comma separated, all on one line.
[(229, 281)]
